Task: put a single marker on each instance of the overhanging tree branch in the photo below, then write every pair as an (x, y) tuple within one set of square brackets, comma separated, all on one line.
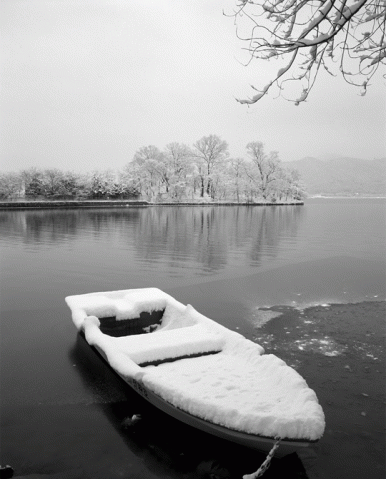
[(314, 33)]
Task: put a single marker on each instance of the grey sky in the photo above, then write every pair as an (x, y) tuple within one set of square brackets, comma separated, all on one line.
[(87, 83)]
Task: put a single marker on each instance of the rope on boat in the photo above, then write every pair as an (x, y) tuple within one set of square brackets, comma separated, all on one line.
[(265, 465)]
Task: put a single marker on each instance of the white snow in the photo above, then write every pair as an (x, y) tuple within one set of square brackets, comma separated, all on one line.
[(125, 304), (258, 395), (165, 344), (238, 387), (261, 317)]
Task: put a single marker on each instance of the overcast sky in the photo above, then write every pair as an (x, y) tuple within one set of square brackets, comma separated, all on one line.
[(86, 83)]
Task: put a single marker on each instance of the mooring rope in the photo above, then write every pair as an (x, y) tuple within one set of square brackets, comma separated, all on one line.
[(265, 465)]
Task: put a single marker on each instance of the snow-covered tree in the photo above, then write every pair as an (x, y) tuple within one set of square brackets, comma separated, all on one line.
[(236, 174), (100, 184), (33, 180), (135, 178), (179, 161), (71, 184), (209, 152), (263, 168), (307, 35), (11, 185), (52, 182), (149, 164), (111, 185), (289, 185), (179, 156), (295, 188)]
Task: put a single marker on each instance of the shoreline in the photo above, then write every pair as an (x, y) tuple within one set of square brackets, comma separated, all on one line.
[(130, 203), (342, 197), (72, 204)]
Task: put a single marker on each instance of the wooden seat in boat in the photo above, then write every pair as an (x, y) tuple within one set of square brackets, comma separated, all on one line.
[(164, 345)]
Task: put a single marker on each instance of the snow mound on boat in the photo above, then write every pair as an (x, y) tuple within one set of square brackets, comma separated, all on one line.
[(124, 304), (259, 395)]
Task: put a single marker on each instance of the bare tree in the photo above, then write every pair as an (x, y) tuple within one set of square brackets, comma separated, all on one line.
[(236, 168), (52, 182), (178, 158), (210, 151), (289, 185), (33, 180), (151, 167), (150, 152), (11, 185), (309, 34), (264, 168), (135, 178)]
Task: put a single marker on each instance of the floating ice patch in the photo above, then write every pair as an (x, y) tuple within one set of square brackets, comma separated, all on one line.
[(369, 351), (266, 340), (325, 345), (261, 317), (312, 304)]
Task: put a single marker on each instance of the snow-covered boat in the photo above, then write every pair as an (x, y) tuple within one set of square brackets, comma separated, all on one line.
[(198, 371)]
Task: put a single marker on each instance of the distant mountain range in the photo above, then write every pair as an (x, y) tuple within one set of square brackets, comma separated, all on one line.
[(342, 176)]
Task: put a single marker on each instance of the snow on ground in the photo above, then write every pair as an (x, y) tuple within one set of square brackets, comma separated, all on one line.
[(238, 387)]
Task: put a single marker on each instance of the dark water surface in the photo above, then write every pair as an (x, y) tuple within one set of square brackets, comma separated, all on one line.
[(62, 408)]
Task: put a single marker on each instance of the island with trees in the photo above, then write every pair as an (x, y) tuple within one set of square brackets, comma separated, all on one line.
[(202, 174)]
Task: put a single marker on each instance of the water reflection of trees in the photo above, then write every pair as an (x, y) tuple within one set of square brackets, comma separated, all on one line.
[(208, 237), (60, 226), (187, 234), (215, 236), (267, 228)]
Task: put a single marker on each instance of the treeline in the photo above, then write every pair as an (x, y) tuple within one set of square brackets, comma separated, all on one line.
[(54, 184), (204, 172)]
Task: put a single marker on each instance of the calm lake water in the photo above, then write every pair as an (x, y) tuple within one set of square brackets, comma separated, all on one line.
[(48, 254), (60, 409)]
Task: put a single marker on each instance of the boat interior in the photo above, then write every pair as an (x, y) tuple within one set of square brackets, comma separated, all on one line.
[(145, 323), (131, 336)]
